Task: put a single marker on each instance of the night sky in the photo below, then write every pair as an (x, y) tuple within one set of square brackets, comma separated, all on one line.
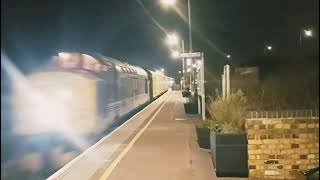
[(33, 30)]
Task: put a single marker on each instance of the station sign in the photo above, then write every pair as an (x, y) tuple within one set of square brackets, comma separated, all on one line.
[(190, 55)]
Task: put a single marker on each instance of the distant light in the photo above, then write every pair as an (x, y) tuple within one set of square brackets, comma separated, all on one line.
[(228, 56), (308, 33), (162, 70), (175, 54), (172, 39), (269, 48), (189, 61), (168, 2), (179, 72)]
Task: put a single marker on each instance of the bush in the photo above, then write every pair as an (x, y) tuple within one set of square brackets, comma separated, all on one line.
[(228, 116)]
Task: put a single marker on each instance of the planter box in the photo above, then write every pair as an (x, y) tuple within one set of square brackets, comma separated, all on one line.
[(191, 108), (203, 135), (186, 94), (229, 154)]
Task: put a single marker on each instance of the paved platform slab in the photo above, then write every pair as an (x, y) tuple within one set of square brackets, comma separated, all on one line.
[(165, 149), (159, 142)]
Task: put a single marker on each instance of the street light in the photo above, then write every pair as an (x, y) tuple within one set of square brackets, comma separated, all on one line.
[(175, 54), (269, 48), (168, 2), (171, 3), (228, 56), (308, 32), (172, 39), (189, 61), (162, 70)]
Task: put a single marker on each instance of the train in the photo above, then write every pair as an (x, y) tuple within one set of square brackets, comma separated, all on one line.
[(83, 94)]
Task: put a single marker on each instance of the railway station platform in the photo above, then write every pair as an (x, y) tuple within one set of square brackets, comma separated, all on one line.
[(158, 143)]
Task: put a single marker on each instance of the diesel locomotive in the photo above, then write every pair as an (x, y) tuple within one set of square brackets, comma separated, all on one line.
[(83, 94)]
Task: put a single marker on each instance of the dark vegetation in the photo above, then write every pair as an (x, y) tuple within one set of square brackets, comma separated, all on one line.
[(284, 83)]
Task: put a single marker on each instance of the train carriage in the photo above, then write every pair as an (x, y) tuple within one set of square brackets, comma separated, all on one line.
[(92, 91)]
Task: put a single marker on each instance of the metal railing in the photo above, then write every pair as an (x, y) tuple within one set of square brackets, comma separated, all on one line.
[(308, 113)]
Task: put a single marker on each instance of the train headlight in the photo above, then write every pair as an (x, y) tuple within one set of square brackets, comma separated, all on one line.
[(43, 113), (64, 95)]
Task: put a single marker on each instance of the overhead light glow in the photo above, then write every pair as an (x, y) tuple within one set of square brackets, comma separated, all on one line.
[(168, 2), (172, 39), (269, 48), (228, 56), (189, 61), (308, 33), (175, 54)]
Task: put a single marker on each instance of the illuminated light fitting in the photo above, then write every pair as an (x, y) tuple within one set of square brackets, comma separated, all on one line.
[(168, 2), (175, 54), (189, 62), (172, 39), (269, 48), (308, 33), (228, 56), (162, 70)]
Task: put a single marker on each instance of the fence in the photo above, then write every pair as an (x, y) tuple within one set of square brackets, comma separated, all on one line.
[(282, 114)]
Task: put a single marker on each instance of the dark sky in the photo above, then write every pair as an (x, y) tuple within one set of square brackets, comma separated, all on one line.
[(33, 30)]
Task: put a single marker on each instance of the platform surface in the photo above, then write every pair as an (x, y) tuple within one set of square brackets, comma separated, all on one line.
[(158, 143), (166, 149)]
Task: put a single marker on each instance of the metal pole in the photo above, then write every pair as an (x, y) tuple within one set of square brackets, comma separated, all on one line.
[(223, 86), (300, 38), (183, 68), (203, 89), (228, 80), (189, 15)]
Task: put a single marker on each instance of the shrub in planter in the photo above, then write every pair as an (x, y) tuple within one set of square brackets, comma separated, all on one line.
[(228, 140)]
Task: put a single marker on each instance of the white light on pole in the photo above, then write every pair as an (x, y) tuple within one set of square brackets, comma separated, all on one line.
[(269, 48), (168, 2), (229, 56), (172, 39), (307, 32), (175, 54), (189, 61)]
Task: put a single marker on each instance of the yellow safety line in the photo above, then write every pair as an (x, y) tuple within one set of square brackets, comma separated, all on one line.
[(108, 172)]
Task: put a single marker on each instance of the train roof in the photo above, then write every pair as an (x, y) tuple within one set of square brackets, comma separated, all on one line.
[(109, 61), (121, 66)]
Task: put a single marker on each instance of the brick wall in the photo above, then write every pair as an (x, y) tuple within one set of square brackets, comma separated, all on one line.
[(279, 147)]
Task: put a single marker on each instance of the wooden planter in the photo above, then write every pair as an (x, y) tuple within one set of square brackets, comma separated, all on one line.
[(191, 108), (203, 135), (229, 154)]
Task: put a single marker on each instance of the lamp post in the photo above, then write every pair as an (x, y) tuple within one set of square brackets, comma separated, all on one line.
[(267, 48), (307, 33), (171, 3)]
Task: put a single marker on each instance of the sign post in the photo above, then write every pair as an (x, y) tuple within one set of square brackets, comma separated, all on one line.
[(201, 81)]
